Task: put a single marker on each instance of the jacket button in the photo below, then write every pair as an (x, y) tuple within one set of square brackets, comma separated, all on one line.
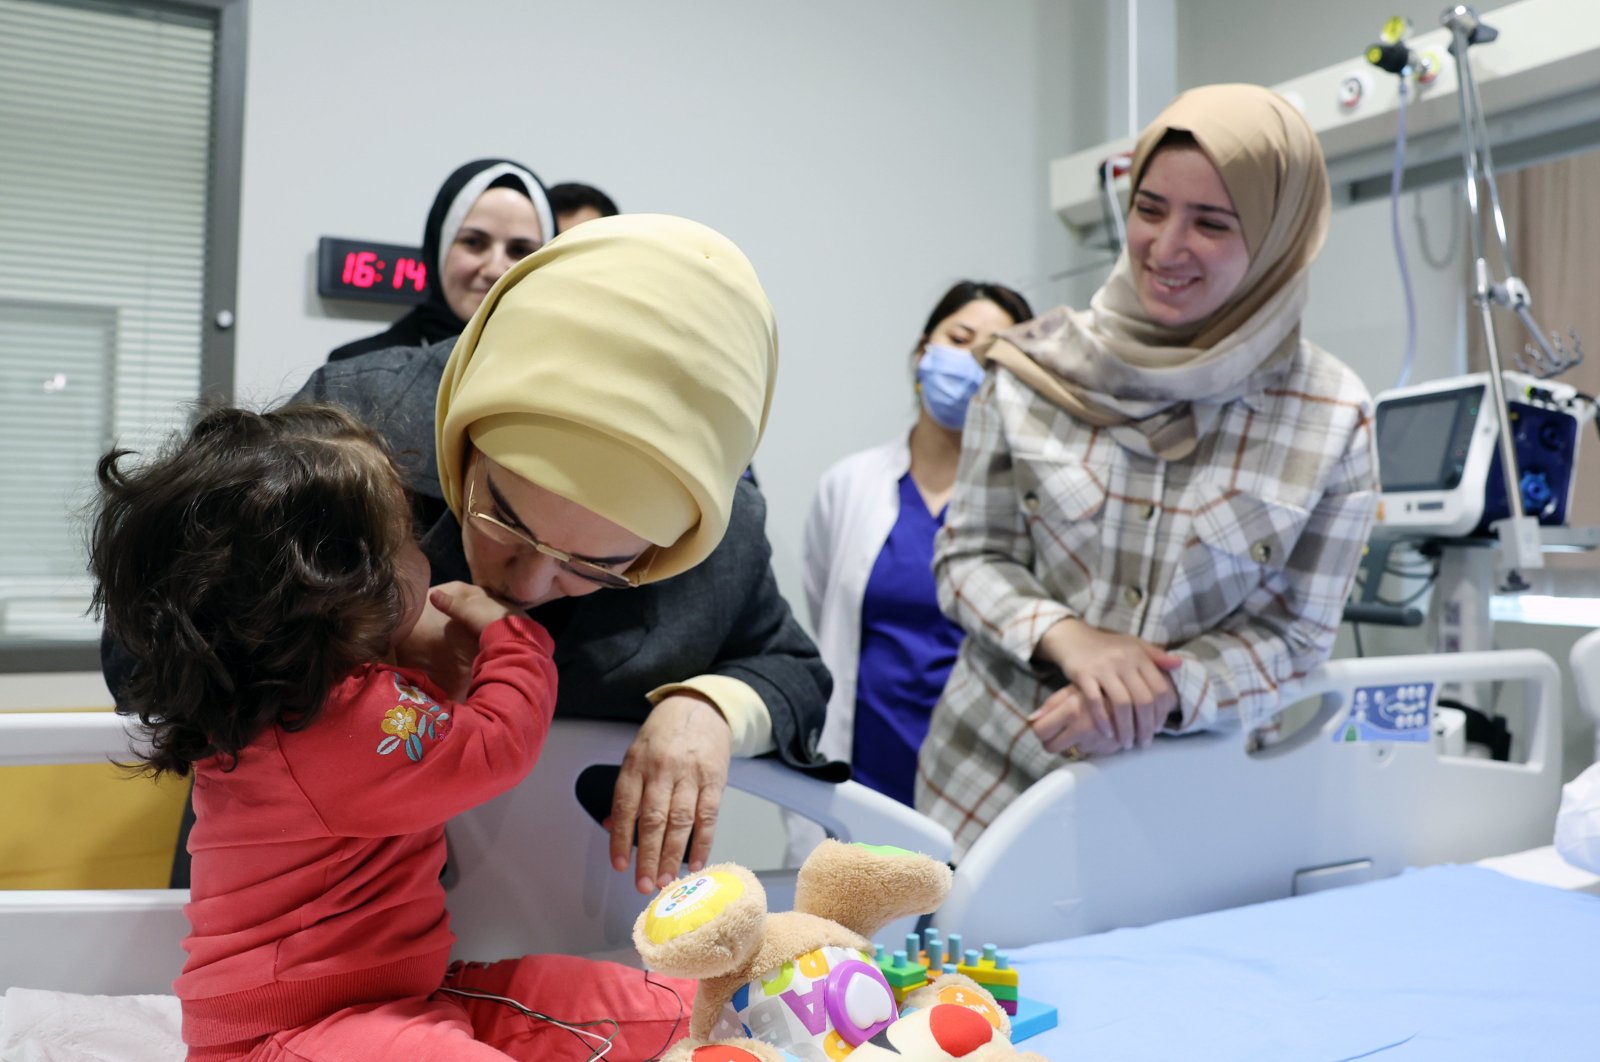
[(1030, 502), (1261, 553), (1133, 595), (1146, 511)]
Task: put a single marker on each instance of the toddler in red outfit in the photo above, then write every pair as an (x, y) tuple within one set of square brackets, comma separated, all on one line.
[(262, 570)]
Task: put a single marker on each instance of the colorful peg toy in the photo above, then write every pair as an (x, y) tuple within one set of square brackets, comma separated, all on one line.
[(807, 984)]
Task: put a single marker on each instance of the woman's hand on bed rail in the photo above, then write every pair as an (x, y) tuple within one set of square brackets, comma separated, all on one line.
[(1118, 696), (670, 790)]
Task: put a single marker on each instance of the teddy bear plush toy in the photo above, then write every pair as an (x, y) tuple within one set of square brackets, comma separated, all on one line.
[(801, 985)]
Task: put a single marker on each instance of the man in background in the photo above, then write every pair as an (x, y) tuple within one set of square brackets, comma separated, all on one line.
[(576, 203)]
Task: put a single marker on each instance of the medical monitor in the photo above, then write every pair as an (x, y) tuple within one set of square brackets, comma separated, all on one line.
[(1439, 461), (1423, 440)]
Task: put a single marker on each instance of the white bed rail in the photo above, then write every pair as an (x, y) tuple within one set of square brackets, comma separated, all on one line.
[(108, 941), (40, 738), (1584, 660), (530, 871), (1199, 823), (533, 870)]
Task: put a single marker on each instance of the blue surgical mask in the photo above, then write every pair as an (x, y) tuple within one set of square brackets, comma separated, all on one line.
[(949, 377)]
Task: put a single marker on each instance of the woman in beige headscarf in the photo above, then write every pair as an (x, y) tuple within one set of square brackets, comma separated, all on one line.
[(1162, 500), (586, 435)]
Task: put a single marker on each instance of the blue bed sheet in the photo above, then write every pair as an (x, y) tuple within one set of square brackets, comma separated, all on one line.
[(1454, 962)]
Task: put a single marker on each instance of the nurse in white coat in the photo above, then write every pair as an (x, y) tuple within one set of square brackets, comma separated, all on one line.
[(869, 554)]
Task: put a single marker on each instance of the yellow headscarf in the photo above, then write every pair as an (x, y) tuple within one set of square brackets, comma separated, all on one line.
[(627, 366), (1112, 366)]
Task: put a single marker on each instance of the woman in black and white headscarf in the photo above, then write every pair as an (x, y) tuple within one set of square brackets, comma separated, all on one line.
[(488, 214)]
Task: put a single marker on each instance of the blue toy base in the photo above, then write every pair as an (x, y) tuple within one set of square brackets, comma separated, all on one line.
[(1031, 1019)]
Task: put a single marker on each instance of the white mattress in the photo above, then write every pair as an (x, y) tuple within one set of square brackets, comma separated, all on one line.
[(39, 1026), (1544, 866)]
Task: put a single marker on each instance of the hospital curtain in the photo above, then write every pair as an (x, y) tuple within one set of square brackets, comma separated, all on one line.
[(105, 137), (1553, 218)]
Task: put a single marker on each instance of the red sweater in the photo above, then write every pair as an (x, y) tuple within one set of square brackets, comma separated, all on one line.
[(315, 883)]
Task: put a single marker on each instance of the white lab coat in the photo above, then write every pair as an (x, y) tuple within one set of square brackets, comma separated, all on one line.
[(856, 506)]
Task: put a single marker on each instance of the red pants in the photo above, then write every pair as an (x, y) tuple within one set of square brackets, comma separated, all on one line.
[(445, 1027)]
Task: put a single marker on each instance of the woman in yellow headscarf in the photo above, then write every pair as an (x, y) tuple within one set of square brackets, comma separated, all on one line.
[(586, 434), (1161, 500)]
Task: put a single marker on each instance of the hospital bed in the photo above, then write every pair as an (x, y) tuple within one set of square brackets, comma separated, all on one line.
[(1193, 824)]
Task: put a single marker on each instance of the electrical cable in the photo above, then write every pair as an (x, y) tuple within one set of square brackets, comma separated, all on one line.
[(574, 1027), (675, 1022), (577, 1028), (1429, 577), (1110, 207), (1399, 239), (1415, 596), (1593, 404), (1452, 245)]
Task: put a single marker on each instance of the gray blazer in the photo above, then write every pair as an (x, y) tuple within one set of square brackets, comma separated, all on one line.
[(723, 617)]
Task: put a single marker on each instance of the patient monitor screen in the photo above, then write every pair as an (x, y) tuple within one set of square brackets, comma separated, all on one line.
[(1422, 440)]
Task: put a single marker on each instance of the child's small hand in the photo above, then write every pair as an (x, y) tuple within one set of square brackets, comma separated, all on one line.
[(469, 605)]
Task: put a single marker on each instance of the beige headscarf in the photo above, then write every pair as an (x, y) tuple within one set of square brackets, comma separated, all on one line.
[(1159, 387), (627, 366)]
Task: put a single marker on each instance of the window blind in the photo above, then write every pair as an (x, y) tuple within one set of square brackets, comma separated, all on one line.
[(105, 142)]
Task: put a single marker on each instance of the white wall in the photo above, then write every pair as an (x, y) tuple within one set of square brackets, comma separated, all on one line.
[(864, 155)]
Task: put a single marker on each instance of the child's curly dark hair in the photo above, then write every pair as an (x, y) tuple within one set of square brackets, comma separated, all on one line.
[(246, 568)]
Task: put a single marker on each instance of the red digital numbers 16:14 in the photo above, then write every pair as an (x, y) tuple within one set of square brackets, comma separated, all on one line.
[(364, 269)]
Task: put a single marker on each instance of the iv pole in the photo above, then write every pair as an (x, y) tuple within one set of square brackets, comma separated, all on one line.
[(1519, 533)]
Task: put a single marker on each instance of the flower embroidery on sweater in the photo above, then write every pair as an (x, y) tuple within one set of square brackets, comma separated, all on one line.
[(406, 726)]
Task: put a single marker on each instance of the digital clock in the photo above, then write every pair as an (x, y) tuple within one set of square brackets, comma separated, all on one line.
[(370, 272)]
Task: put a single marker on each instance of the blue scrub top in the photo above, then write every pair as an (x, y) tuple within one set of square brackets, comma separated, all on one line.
[(907, 650)]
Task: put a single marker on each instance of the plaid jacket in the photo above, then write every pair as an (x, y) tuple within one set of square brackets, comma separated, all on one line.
[(1237, 558)]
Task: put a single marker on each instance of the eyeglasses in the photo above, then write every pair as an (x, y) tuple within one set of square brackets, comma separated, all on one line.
[(506, 535)]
